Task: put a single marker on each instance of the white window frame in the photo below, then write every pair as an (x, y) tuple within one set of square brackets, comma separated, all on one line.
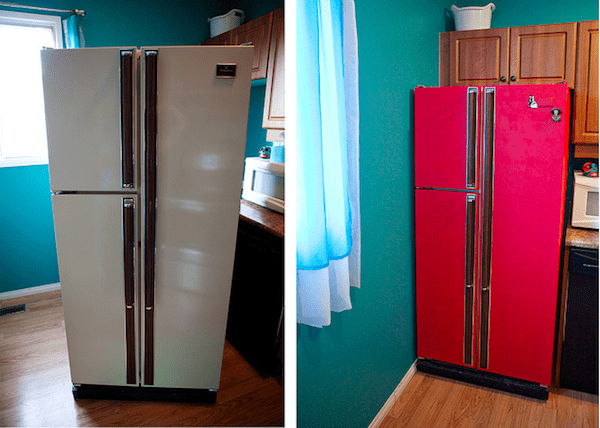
[(32, 20)]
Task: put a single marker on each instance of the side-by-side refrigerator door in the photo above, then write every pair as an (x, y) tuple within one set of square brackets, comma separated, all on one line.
[(446, 128), (90, 117), (446, 231), (95, 240), (528, 178), (195, 101)]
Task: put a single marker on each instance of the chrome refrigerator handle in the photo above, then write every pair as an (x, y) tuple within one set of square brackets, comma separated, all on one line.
[(150, 215), (488, 193), (472, 137), (470, 277), (126, 72), (129, 249)]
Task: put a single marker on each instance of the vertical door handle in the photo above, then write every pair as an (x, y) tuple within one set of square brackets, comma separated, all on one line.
[(488, 193), (126, 71), (472, 138), (129, 249), (469, 277), (151, 58)]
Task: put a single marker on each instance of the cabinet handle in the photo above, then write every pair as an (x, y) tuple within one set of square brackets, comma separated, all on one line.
[(502, 78), (513, 78)]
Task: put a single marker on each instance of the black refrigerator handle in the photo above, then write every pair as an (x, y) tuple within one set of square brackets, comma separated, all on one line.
[(126, 72), (150, 215), (129, 249), (488, 193)]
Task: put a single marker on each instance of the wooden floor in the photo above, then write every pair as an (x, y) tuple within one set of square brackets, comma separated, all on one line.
[(431, 401), (35, 383)]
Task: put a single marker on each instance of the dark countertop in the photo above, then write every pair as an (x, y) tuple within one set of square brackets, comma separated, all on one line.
[(581, 238), (264, 218)]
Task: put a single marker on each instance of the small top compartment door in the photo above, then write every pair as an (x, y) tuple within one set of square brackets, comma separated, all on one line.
[(446, 142), (90, 117)]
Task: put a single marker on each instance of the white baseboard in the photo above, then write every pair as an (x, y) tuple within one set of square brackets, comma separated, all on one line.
[(29, 291), (395, 395)]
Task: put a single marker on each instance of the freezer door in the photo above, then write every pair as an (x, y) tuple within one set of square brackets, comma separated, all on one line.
[(90, 117), (446, 137), (96, 259), (529, 181), (446, 233), (196, 108)]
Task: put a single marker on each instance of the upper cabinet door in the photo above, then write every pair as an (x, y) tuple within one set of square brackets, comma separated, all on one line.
[(543, 54), (586, 85), (479, 57), (257, 33), (274, 112), (90, 117)]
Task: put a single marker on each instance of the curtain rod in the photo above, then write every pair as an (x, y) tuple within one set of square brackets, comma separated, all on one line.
[(45, 9)]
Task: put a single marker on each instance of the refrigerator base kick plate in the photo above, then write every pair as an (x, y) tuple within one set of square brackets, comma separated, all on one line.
[(108, 392), (490, 380)]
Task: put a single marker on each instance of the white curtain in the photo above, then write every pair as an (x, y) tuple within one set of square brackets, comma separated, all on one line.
[(328, 211)]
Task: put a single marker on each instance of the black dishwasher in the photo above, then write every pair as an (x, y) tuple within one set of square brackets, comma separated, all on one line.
[(579, 367)]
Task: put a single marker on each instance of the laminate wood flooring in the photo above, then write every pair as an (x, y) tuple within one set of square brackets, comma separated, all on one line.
[(431, 401), (35, 382)]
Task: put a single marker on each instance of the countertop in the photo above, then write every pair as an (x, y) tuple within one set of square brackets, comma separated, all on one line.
[(581, 238), (264, 218)]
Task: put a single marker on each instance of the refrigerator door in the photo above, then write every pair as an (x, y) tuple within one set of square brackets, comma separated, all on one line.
[(446, 137), (96, 254), (446, 230), (529, 181), (196, 107), (90, 116)]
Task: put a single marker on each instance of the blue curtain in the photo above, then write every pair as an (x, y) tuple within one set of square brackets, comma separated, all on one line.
[(73, 33), (327, 157)]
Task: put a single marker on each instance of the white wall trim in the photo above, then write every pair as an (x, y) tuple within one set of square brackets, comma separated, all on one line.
[(29, 291), (395, 395)]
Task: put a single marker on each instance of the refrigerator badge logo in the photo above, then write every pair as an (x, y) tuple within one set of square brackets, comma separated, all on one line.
[(226, 71), (555, 114)]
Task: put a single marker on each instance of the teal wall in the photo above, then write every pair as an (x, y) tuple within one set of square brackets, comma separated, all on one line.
[(347, 371), (27, 245)]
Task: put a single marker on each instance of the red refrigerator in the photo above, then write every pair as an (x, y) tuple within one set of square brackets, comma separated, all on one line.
[(490, 179)]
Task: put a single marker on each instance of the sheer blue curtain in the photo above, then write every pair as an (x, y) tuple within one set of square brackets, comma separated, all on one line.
[(328, 211), (73, 33)]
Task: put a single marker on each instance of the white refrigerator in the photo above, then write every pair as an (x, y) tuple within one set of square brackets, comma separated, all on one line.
[(146, 153)]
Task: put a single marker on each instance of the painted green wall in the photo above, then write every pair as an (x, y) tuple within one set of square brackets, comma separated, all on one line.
[(27, 244), (347, 371)]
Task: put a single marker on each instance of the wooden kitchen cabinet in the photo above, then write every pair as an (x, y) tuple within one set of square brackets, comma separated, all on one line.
[(257, 33), (274, 109), (517, 55), (478, 57), (585, 134), (543, 54)]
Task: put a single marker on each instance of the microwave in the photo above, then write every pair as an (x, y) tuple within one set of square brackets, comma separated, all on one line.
[(264, 183), (585, 201)]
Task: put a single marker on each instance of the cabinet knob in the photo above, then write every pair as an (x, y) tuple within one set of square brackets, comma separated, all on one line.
[(513, 78), (502, 79)]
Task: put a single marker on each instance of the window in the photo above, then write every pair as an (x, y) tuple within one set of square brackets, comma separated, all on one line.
[(22, 118)]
